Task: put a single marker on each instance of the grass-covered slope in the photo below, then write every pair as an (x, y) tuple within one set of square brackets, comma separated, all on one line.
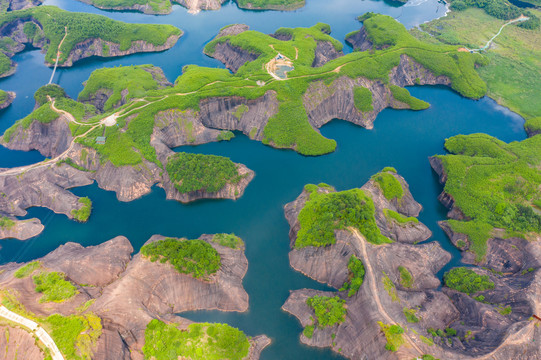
[(83, 26), (327, 211), (129, 142), (75, 335), (495, 185), (193, 257), (513, 72), (136, 80), (201, 341)]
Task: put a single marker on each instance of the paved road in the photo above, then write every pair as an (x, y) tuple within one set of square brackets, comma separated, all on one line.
[(35, 328)]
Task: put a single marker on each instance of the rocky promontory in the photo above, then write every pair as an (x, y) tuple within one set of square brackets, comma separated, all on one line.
[(20, 229), (400, 310), (126, 292), (7, 98), (38, 34), (11, 5)]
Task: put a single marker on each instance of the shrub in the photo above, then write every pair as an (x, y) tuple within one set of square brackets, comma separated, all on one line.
[(83, 213), (328, 310), (200, 341), (467, 281), (230, 240), (406, 279), (410, 315), (308, 331), (324, 213), (393, 334), (27, 269), (362, 98), (52, 90), (389, 185), (197, 172), (54, 287), (355, 277), (6, 223), (193, 257), (399, 218)]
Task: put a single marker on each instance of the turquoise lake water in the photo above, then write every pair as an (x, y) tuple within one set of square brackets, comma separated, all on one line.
[(403, 139)]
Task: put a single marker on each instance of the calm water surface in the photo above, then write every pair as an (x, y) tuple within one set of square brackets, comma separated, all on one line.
[(403, 139)]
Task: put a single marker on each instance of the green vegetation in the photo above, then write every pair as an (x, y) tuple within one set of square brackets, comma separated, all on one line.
[(129, 142), (505, 310), (513, 73), (355, 277), (494, 184), (329, 311), (5, 64), (411, 315), (27, 269), (271, 4), (324, 213), (225, 136), (193, 257), (533, 126), (83, 213), (399, 218), (362, 98), (403, 95), (389, 286), (393, 334), (200, 341), (467, 281), (230, 240), (156, 6), (309, 331), (389, 185), (52, 90), (83, 26), (3, 97), (196, 172), (43, 114), (53, 286), (75, 335), (137, 80), (406, 279), (6, 223), (500, 9)]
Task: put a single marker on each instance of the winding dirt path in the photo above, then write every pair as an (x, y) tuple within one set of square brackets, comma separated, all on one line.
[(372, 282), (35, 329)]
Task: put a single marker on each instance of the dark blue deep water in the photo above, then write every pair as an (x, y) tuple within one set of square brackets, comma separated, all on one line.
[(403, 139)]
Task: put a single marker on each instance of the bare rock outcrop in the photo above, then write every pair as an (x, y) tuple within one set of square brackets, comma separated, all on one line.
[(17, 343), (21, 4), (496, 324), (232, 56), (128, 292), (325, 52), (50, 139), (359, 40), (22, 229)]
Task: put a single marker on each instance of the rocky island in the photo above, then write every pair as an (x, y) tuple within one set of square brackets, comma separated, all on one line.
[(124, 305), (6, 98), (389, 304), (69, 37)]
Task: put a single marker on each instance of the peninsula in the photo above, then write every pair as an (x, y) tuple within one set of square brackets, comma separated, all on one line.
[(389, 303), (125, 306)]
